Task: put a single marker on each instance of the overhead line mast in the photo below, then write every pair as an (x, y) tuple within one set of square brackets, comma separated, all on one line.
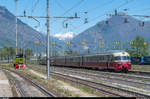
[(16, 26), (48, 37), (48, 31)]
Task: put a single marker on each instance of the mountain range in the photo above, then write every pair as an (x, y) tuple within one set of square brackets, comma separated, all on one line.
[(26, 35), (117, 28)]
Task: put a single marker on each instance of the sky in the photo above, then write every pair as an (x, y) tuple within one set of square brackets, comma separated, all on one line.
[(97, 11)]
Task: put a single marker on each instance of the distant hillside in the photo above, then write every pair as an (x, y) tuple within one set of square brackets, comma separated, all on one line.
[(26, 35), (116, 30)]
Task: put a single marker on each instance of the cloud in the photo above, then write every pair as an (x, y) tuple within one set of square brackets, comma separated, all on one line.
[(64, 36)]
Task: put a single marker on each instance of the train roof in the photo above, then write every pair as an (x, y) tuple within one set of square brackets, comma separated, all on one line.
[(20, 56), (112, 52)]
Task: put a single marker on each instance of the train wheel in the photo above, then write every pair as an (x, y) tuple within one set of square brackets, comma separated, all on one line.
[(125, 70)]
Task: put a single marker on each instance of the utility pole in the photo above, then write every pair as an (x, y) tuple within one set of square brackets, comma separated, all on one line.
[(48, 37), (48, 31), (16, 26)]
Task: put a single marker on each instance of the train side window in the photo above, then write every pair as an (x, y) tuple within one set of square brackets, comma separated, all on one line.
[(71, 59), (85, 59), (112, 58), (105, 57), (109, 58), (97, 58), (75, 59), (102, 57), (93, 59), (88, 59)]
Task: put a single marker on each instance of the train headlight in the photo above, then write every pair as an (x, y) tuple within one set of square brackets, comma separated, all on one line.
[(129, 63)]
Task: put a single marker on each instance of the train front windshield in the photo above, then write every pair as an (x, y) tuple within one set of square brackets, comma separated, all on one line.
[(122, 58)]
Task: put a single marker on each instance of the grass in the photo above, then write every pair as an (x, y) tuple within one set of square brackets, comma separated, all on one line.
[(25, 71), (48, 84), (52, 82), (85, 89), (141, 67), (12, 85)]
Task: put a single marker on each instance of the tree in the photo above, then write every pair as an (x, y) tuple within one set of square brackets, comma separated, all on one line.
[(58, 54), (139, 47), (70, 52), (28, 53), (8, 52), (2, 53), (89, 51)]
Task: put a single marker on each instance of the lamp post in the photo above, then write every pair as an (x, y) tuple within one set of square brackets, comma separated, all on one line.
[(36, 42)]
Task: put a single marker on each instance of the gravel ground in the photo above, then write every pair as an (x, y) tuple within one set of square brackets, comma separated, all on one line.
[(65, 86), (5, 89), (108, 78), (28, 88)]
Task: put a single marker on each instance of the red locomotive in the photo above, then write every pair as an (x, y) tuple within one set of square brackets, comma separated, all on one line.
[(116, 61)]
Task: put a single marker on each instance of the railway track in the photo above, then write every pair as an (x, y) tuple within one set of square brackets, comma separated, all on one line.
[(123, 75), (119, 92), (114, 74), (86, 83), (29, 80), (135, 72), (91, 73), (113, 77), (140, 73), (17, 85), (102, 87)]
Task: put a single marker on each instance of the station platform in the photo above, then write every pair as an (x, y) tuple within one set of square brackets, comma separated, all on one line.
[(5, 89)]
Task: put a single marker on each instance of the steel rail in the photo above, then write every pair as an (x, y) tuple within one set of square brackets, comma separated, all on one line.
[(108, 86), (101, 90), (21, 91), (40, 87), (33, 83), (99, 76), (18, 86)]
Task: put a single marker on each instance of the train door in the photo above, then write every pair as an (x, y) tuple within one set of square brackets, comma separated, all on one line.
[(108, 62), (79, 58), (81, 61)]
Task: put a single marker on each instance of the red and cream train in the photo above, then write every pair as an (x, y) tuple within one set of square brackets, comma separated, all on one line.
[(119, 61)]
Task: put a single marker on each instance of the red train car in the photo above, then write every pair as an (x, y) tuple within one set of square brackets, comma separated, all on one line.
[(116, 61)]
